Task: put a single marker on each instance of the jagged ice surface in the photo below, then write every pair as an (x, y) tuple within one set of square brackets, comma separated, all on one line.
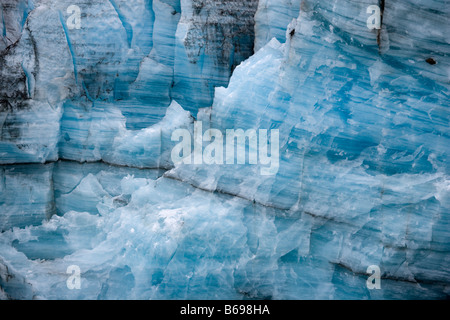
[(363, 177)]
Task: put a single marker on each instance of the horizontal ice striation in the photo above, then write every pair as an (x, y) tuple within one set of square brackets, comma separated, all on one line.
[(29, 134), (137, 236), (132, 57), (272, 19), (363, 177), (34, 204), (364, 134), (100, 134), (44, 190)]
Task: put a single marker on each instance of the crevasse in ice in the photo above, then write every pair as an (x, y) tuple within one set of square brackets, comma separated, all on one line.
[(87, 180)]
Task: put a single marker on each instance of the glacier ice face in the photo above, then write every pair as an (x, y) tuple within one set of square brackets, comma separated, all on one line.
[(13, 16), (363, 176), (36, 202), (272, 19), (100, 134), (131, 57), (30, 133), (213, 37), (159, 238)]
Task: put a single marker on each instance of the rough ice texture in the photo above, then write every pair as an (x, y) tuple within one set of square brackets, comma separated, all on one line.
[(272, 19), (364, 137), (129, 57), (212, 38), (364, 146), (13, 14)]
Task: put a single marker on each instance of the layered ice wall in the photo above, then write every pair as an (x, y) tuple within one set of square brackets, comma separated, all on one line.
[(272, 19), (130, 58), (212, 38), (364, 122), (362, 180), (337, 93)]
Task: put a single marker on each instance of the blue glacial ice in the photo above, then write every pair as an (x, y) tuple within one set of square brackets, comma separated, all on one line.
[(87, 178)]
